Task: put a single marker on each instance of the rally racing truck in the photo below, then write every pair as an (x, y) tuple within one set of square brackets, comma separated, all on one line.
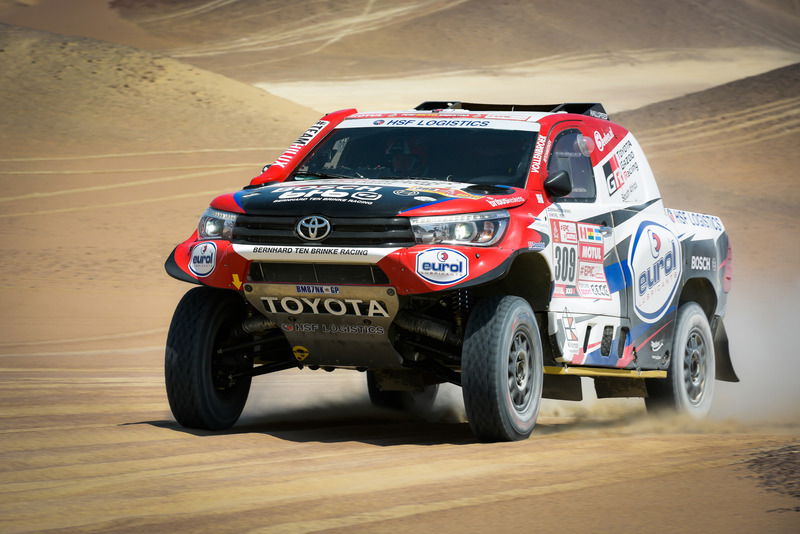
[(510, 250)]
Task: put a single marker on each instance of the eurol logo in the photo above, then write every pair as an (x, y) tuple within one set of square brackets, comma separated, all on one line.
[(442, 266), (203, 259), (655, 259)]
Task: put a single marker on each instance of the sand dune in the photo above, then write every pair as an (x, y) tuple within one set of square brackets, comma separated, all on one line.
[(739, 141), (62, 94), (277, 41)]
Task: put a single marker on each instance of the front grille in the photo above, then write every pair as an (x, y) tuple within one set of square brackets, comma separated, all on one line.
[(317, 273), (345, 231)]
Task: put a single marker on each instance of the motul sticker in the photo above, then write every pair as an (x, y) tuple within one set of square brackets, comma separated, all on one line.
[(442, 266), (203, 259)]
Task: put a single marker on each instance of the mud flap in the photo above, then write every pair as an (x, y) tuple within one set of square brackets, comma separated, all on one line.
[(724, 367)]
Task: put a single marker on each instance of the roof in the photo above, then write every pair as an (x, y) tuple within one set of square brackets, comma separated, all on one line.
[(593, 109)]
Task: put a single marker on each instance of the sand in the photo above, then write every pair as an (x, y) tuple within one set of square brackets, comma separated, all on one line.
[(100, 181)]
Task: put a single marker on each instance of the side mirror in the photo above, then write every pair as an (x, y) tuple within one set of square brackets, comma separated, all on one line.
[(558, 184)]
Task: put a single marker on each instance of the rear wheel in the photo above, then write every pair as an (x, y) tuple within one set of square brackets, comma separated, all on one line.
[(207, 382), (502, 369), (689, 386), (400, 400)]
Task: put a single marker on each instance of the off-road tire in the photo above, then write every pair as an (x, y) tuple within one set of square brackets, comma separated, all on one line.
[(204, 320), (502, 356), (689, 386), (401, 400)]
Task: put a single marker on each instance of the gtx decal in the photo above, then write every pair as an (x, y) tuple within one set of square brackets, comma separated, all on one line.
[(203, 259), (312, 254), (442, 266), (655, 258), (353, 194), (318, 306)]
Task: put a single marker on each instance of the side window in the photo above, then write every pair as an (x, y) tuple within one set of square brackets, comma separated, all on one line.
[(568, 156)]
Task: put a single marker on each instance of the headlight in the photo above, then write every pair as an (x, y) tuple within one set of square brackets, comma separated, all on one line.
[(216, 224), (476, 229)]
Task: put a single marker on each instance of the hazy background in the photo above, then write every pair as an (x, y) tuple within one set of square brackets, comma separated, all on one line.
[(120, 120)]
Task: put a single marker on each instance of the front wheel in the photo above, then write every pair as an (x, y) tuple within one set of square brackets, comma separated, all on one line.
[(689, 386), (502, 369), (207, 382)]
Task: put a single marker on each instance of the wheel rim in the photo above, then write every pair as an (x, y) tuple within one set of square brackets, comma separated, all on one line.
[(695, 368), (520, 367)]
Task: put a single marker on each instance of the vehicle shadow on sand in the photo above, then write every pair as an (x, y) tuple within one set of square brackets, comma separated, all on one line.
[(357, 421)]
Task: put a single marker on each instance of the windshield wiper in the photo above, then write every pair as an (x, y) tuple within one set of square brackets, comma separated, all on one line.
[(325, 175)]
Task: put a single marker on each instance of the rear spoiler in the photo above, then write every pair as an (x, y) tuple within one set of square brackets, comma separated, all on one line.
[(592, 109)]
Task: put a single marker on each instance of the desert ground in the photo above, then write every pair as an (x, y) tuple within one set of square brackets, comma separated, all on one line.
[(120, 120)]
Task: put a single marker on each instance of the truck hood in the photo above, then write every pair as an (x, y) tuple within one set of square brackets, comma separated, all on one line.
[(374, 198)]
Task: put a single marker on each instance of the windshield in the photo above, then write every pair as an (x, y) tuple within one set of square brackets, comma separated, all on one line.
[(478, 156)]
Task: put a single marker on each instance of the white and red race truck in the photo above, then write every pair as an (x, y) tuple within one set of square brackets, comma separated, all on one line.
[(508, 249)]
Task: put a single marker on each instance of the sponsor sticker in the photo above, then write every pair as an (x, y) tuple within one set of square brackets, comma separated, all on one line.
[(325, 306), (590, 233), (700, 220), (495, 202), (702, 263), (353, 194), (564, 231), (333, 329), (571, 339), (655, 259), (538, 153), (300, 352), (433, 121), (621, 170), (442, 266), (601, 139), (203, 259), (591, 252), (289, 154), (578, 255)]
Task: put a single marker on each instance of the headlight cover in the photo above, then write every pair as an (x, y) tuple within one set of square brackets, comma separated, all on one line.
[(216, 224), (474, 229)]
